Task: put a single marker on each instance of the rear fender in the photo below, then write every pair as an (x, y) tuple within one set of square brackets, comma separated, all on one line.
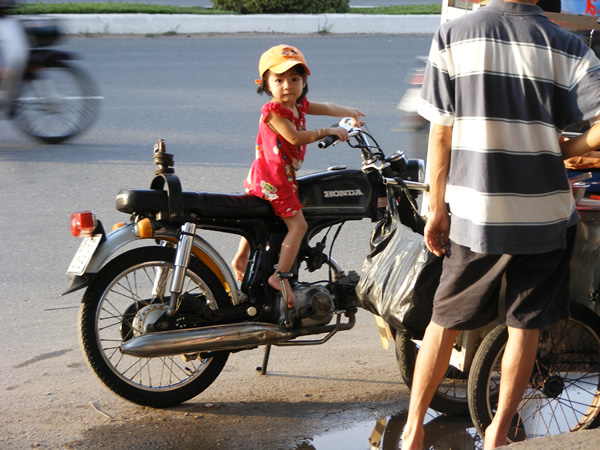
[(126, 235)]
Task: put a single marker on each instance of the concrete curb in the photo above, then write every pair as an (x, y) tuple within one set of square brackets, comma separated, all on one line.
[(290, 24)]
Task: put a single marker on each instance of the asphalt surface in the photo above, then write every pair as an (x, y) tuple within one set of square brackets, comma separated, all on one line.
[(199, 95), (580, 440)]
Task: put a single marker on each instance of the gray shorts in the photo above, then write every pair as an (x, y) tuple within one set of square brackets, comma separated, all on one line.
[(537, 288)]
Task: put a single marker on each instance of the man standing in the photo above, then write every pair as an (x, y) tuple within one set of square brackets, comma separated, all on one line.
[(500, 85)]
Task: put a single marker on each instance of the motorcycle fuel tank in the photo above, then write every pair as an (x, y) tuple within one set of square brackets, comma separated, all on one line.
[(335, 192)]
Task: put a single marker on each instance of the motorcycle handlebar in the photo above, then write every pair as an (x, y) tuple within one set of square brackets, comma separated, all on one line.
[(327, 141), (346, 123)]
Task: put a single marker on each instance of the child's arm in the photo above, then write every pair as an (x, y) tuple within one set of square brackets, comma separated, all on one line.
[(286, 129), (331, 109)]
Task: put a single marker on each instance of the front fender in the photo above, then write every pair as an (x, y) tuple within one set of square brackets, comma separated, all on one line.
[(126, 235)]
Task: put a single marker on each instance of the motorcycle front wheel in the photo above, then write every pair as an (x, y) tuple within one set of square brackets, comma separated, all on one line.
[(56, 103), (127, 288), (564, 388)]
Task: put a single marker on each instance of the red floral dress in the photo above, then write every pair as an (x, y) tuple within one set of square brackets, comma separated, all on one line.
[(273, 173)]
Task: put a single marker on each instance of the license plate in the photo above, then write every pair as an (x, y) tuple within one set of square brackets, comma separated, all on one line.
[(84, 255)]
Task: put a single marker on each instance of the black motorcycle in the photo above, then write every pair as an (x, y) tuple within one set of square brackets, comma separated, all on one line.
[(158, 322)]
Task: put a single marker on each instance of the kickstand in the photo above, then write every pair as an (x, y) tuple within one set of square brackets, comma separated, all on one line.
[(263, 369)]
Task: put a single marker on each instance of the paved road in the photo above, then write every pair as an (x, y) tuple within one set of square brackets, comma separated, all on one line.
[(198, 94)]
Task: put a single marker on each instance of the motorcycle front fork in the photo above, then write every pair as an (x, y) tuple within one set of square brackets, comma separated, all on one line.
[(182, 259)]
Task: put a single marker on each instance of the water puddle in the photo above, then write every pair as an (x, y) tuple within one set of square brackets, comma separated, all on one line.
[(441, 432)]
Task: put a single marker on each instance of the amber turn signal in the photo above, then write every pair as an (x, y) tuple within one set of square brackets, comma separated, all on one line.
[(144, 229), (116, 226)]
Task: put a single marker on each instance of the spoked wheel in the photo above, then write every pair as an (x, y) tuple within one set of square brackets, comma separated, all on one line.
[(56, 103), (122, 298), (450, 396), (564, 389)]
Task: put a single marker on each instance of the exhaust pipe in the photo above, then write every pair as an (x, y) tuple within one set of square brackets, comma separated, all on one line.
[(215, 338)]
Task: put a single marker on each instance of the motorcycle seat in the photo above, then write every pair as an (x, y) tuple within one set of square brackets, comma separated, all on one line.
[(203, 204)]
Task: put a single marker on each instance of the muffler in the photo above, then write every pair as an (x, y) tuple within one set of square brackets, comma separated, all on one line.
[(210, 339)]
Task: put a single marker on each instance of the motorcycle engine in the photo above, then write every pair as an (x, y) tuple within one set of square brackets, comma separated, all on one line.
[(313, 304)]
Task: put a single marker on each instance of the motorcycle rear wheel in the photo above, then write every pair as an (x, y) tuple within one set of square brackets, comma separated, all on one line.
[(564, 389), (56, 103), (450, 396), (109, 308)]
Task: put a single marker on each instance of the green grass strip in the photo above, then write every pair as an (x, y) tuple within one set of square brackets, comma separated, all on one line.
[(136, 8), (399, 10)]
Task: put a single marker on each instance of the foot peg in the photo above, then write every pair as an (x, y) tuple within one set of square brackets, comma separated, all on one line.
[(284, 296)]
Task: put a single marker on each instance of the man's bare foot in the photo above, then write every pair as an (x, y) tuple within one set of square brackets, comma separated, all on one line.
[(239, 267), (413, 439), (276, 284), (493, 439)]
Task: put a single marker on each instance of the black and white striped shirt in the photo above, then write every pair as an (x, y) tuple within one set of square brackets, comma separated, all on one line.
[(509, 81)]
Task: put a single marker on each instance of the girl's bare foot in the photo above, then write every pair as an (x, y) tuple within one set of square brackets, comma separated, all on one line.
[(276, 284), (239, 267)]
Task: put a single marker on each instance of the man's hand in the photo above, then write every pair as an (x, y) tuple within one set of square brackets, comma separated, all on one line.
[(437, 230)]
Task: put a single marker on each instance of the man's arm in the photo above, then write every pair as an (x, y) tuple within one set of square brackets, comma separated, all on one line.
[(579, 146), (438, 221)]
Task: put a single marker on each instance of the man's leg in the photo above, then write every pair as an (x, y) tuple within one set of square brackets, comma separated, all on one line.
[(431, 366), (517, 366)]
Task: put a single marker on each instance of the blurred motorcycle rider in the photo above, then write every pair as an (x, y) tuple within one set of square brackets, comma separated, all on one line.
[(14, 49)]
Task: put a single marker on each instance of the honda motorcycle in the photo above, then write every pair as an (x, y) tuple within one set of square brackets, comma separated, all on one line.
[(158, 321), (48, 97)]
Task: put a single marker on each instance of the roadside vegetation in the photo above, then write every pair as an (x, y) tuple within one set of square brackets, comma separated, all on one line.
[(124, 8)]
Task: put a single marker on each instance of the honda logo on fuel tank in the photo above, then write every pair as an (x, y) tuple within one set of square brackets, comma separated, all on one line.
[(345, 193)]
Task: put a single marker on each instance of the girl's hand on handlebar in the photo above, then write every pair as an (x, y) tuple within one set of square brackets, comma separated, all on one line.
[(340, 132)]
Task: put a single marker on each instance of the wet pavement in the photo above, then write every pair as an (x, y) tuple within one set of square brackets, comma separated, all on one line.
[(441, 432)]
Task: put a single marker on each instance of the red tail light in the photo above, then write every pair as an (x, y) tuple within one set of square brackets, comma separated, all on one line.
[(83, 224)]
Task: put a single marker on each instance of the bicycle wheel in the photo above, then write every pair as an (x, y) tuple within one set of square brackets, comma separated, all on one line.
[(450, 396), (564, 389)]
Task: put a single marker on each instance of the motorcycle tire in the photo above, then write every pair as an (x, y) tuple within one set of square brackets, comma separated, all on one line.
[(120, 295), (450, 396), (56, 103), (564, 389)]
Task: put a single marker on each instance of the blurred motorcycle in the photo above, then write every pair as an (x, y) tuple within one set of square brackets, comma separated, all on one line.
[(411, 122), (48, 97)]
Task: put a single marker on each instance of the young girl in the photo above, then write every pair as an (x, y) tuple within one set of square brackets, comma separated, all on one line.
[(280, 147)]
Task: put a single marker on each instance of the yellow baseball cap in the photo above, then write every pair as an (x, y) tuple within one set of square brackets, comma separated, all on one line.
[(281, 58)]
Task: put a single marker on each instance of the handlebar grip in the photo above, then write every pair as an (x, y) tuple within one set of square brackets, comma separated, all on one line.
[(327, 141)]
